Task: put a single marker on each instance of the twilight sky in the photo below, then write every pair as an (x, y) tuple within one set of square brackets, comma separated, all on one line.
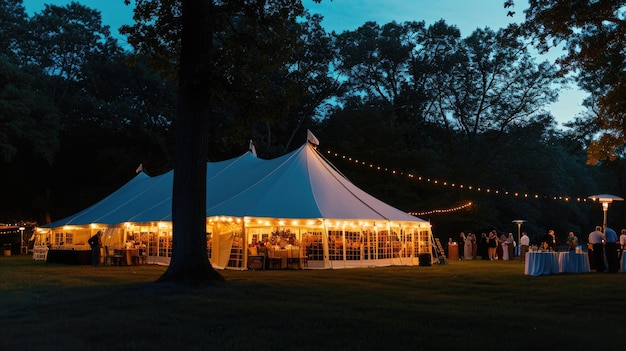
[(341, 15)]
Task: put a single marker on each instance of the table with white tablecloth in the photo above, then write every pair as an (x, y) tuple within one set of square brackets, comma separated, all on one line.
[(541, 263), (573, 262)]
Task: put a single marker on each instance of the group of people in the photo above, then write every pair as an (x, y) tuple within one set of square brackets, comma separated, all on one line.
[(607, 247), (488, 247), (604, 245)]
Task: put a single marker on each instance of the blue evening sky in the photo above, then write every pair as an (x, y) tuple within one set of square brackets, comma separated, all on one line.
[(341, 15)]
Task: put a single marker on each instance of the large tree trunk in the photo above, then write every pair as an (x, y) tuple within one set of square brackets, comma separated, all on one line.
[(189, 262)]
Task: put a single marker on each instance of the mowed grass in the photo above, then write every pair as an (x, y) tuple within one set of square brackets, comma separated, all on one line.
[(469, 305)]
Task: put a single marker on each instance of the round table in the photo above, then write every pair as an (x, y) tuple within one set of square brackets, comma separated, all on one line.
[(572, 262), (541, 263)]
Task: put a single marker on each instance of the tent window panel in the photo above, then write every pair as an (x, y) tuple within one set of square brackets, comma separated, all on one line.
[(396, 244), (165, 245), (58, 237), (335, 245), (411, 244), (423, 242), (152, 244), (353, 246), (405, 243), (384, 244), (258, 242), (69, 238), (313, 244), (143, 238), (134, 237), (369, 245), (258, 236)]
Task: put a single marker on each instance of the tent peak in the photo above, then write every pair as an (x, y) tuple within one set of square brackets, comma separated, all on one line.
[(311, 138)]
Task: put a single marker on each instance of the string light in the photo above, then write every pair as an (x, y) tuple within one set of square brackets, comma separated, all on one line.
[(447, 210), (457, 185)]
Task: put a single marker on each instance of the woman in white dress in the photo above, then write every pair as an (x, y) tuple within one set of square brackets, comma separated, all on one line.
[(467, 248), (505, 248)]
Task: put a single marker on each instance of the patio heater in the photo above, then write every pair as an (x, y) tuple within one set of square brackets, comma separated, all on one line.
[(23, 248), (605, 200), (519, 226)]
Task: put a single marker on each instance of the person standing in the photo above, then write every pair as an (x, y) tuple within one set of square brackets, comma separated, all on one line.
[(524, 242), (467, 248), (483, 247), (462, 239), (552, 241), (474, 246), (96, 243), (510, 244), (572, 241), (610, 248), (596, 239), (622, 242), (493, 245), (499, 247), (503, 254)]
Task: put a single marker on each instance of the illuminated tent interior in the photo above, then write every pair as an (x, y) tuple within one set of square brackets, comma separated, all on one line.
[(294, 211)]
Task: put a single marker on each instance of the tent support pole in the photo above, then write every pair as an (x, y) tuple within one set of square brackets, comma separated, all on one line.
[(244, 237), (343, 240), (325, 245)]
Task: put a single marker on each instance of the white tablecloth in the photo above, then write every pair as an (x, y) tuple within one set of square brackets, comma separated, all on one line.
[(572, 262), (541, 263)]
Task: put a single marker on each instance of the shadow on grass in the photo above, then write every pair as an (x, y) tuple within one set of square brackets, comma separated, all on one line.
[(469, 305)]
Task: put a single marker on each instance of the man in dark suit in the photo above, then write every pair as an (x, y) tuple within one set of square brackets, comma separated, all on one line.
[(552, 241)]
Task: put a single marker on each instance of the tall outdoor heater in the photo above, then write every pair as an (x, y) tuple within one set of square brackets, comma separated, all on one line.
[(605, 200), (519, 226), (23, 248)]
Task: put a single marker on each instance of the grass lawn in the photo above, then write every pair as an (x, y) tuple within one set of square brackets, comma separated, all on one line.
[(463, 305)]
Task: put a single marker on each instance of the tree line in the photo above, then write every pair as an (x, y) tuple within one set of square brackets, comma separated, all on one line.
[(79, 111)]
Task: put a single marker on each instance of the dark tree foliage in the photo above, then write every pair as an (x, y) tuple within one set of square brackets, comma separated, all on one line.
[(593, 34), (13, 20), (406, 96), (111, 114), (268, 69), (76, 119), (29, 140), (61, 40), (481, 118), (483, 84), (118, 117)]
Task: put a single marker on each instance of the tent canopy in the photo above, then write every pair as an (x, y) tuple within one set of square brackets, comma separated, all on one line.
[(300, 184)]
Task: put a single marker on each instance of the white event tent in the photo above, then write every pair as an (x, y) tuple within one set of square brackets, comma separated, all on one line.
[(296, 211)]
